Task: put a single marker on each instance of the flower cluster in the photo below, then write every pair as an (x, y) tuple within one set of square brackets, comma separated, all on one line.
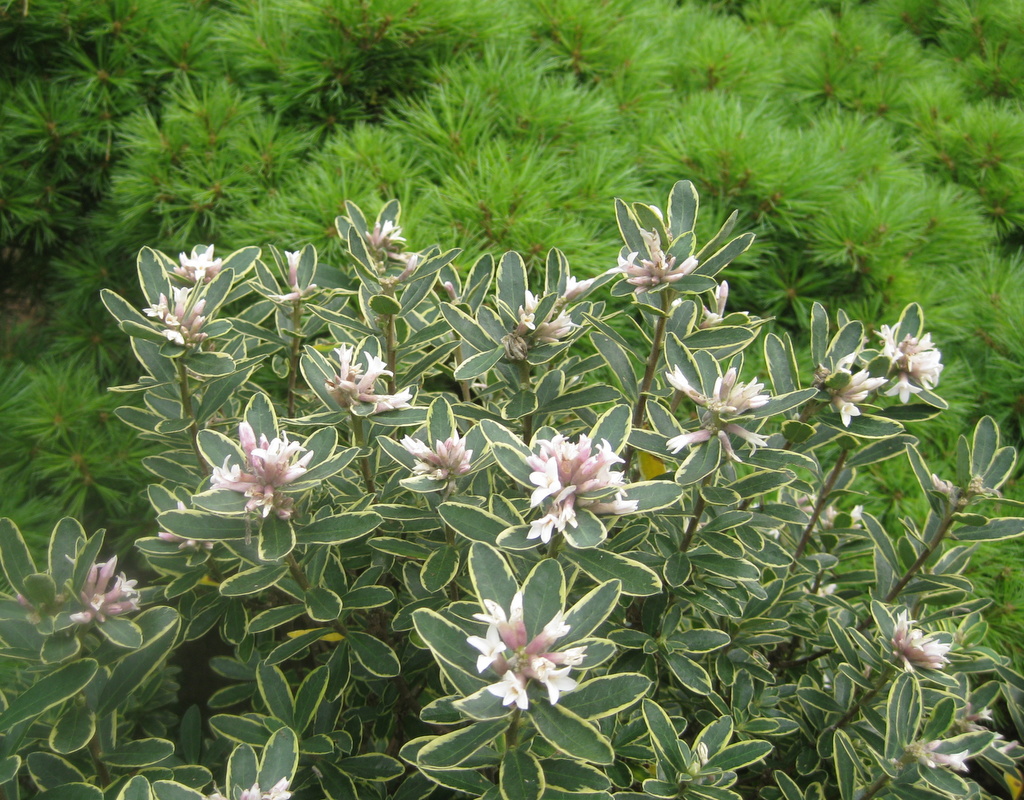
[(352, 385), (926, 753), (101, 602), (506, 650), (297, 292), (854, 389), (445, 462), (199, 267), (548, 330), (279, 791), (728, 400), (570, 476), (654, 271), (270, 465), (183, 322), (386, 239), (915, 648), (913, 359)]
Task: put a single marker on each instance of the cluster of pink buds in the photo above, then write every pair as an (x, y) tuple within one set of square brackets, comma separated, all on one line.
[(551, 329), (446, 461), (728, 400), (506, 650), (574, 475), (656, 270), (915, 648), (279, 791), (926, 753), (101, 602), (352, 385), (297, 292), (269, 466), (183, 322), (199, 267), (914, 360)]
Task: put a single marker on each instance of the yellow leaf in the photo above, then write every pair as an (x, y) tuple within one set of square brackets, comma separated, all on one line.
[(328, 636), (650, 466)]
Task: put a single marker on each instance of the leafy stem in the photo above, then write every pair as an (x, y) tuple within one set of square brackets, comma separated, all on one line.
[(922, 558), (640, 411), (102, 773), (867, 697), (819, 506), (359, 437)]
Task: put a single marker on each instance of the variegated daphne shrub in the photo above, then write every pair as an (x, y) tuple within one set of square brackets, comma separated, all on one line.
[(425, 529)]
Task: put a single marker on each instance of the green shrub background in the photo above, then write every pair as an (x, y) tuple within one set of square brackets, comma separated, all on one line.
[(876, 148)]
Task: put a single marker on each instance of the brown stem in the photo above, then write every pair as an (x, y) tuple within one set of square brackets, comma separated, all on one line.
[(880, 783), (927, 553), (102, 774), (691, 529), (818, 508), (851, 712), (189, 409), (640, 412)]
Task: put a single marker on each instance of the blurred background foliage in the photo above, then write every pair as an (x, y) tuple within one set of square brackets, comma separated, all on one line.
[(876, 148)]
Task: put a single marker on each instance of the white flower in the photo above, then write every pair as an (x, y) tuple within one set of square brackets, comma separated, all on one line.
[(856, 391), (445, 462), (915, 648), (927, 755), (183, 322), (654, 271), (505, 649), (511, 689), (199, 267), (490, 648), (554, 679), (729, 398), (568, 475), (352, 384), (913, 359), (271, 464)]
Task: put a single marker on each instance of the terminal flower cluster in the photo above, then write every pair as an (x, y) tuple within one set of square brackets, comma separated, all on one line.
[(271, 464), (728, 400), (352, 384), (856, 390), (654, 271), (915, 648), (574, 475), (297, 292), (446, 461), (182, 318), (926, 753), (916, 361), (101, 602), (199, 267), (506, 650), (549, 330)]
